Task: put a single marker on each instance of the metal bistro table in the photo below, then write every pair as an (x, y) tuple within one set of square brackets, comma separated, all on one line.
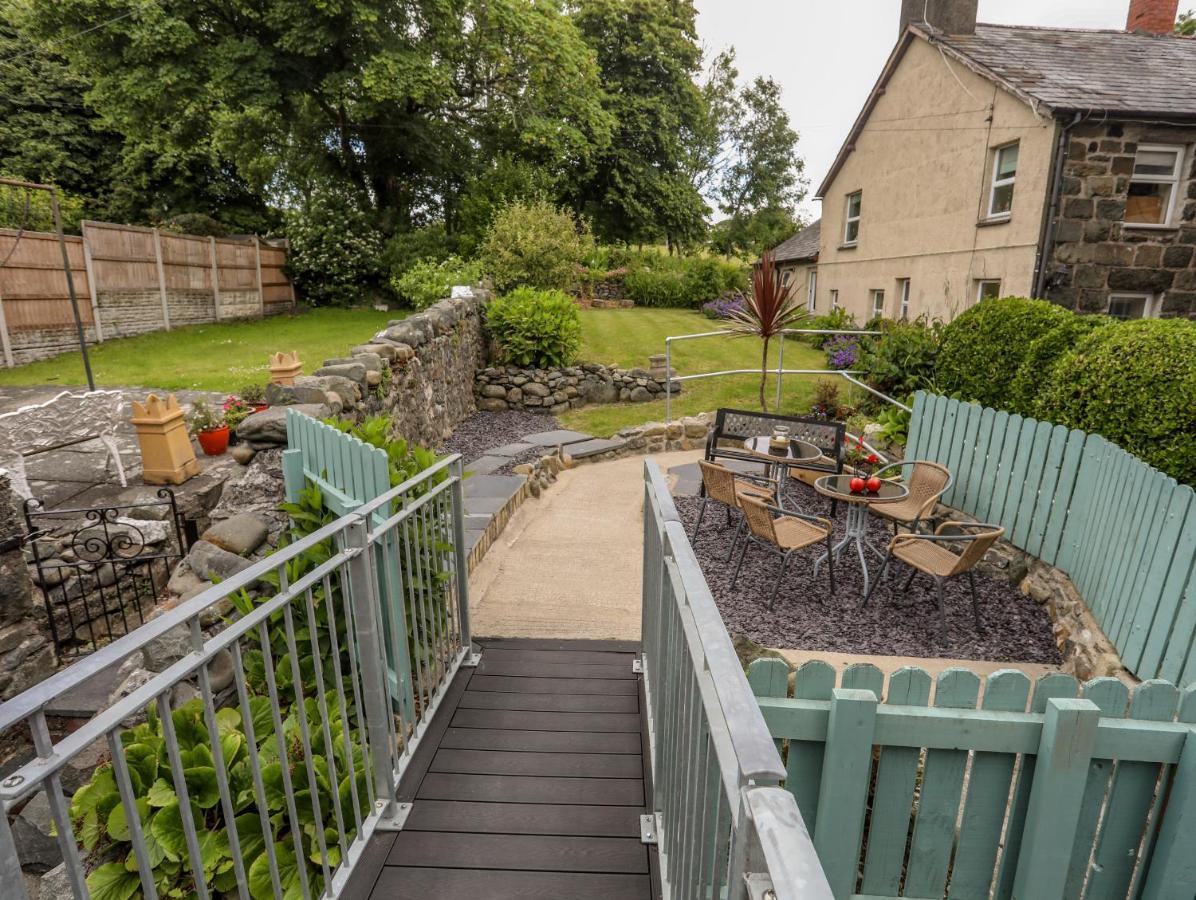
[(799, 453), (838, 487)]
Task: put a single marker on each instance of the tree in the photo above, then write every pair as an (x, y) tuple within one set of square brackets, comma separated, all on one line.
[(400, 101), (47, 133), (1186, 23), (750, 235), (639, 188)]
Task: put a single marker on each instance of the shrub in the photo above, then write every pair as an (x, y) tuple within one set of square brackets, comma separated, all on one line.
[(836, 320), (902, 358), (428, 280), (535, 328), (406, 248), (842, 351), (825, 404), (1135, 384), (535, 244), (724, 307), (682, 282), (1042, 354), (983, 348), (335, 251)]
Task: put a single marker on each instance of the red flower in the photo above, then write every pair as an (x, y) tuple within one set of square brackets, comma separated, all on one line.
[(872, 458)]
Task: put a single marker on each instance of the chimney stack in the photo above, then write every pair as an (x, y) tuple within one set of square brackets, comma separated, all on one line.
[(1154, 16), (947, 16)]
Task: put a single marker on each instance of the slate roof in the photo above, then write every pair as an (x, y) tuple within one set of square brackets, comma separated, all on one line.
[(803, 245), (1117, 72)]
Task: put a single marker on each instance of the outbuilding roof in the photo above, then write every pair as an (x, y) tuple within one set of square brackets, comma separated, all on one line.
[(803, 245)]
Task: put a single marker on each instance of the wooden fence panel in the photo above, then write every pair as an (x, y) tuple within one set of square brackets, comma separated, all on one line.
[(1124, 532), (134, 280), (1088, 799)]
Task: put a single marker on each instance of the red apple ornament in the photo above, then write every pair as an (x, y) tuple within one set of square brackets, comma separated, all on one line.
[(856, 485), (873, 484)]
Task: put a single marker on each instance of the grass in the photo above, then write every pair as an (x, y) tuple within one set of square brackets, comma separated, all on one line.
[(217, 357), (626, 337)]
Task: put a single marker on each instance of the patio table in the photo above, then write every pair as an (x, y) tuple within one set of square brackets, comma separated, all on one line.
[(798, 453), (838, 487)]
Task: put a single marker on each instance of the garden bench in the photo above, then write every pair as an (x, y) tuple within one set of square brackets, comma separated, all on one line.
[(65, 420), (734, 426)]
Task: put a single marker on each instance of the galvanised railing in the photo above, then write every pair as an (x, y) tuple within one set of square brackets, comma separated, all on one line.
[(723, 827), (383, 591)]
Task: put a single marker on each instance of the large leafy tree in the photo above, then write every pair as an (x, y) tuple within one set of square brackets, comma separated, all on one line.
[(639, 188), (403, 101)]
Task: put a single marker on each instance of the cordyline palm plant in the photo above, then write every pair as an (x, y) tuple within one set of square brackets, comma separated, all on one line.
[(767, 312)]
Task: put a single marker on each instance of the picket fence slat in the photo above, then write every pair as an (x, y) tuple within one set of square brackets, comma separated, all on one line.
[(967, 423), (1084, 496), (803, 768), (1152, 622), (1035, 465), (1172, 871), (988, 793), (992, 463), (896, 781), (1040, 510), (1181, 636), (917, 428), (1149, 521), (1064, 495), (975, 466)]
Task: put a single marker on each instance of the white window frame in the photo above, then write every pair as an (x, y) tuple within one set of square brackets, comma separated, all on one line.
[(878, 294), (903, 297), (834, 299), (997, 182), (812, 289), (1150, 302), (981, 282), (849, 219), (1174, 179)]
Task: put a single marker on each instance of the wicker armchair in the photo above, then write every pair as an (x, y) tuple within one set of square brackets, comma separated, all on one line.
[(926, 483), (929, 554), (784, 536), (723, 486)]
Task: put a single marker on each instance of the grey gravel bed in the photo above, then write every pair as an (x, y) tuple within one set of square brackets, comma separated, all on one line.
[(485, 430), (805, 617)]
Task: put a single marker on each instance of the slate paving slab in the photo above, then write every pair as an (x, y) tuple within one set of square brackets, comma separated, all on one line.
[(492, 485), (594, 446), (509, 450), (557, 438), (485, 465)]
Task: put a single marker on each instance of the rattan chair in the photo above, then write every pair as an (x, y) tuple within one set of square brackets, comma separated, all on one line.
[(723, 486), (926, 483), (929, 554), (784, 536)]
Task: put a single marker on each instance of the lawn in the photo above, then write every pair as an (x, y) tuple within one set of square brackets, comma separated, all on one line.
[(217, 357), (627, 337)]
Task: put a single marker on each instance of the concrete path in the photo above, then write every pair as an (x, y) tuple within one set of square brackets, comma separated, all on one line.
[(568, 565)]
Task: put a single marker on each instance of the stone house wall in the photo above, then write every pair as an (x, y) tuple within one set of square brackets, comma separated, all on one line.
[(1094, 253)]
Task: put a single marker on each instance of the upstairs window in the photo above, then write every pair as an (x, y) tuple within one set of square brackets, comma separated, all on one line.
[(851, 227), (1000, 198), (1154, 184)]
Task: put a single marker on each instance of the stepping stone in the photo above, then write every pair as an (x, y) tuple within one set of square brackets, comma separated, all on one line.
[(509, 449), (594, 446), (471, 539), (484, 506), (503, 486), (477, 521), (557, 438), (486, 464)]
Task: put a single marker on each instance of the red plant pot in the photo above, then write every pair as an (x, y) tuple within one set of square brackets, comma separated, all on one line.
[(261, 407), (214, 442)]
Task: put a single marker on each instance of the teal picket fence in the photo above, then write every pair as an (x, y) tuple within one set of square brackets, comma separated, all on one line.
[(349, 471), (954, 788), (1123, 531)]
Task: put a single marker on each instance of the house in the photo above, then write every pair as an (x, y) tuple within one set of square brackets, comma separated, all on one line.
[(998, 160), (797, 259)]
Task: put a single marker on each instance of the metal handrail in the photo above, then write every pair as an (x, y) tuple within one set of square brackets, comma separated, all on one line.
[(385, 623), (722, 825), (779, 371)]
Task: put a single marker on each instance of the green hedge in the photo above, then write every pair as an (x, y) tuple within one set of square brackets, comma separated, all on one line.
[(1134, 383), (984, 347), (1040, 356), (687, 282), (535, 328)]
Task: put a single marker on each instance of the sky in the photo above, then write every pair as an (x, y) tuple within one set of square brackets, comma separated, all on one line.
[(827, 54)]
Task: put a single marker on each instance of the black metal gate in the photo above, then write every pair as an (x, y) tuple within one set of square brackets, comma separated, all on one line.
[(101, 569)]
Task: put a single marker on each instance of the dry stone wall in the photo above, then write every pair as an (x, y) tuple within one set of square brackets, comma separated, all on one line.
[(560, 389)]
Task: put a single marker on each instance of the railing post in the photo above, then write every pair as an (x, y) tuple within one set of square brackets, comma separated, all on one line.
[(668, 380), (839, 824), (1060, 776), (462, 562), (371, 659), (780, 368)]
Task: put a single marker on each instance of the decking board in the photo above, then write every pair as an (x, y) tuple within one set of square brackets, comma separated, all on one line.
[(529, 783)]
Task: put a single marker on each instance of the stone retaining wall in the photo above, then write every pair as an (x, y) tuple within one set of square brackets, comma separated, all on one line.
[(560, 389)]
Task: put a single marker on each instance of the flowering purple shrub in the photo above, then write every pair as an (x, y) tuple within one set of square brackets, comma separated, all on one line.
[(842, 351), (723, 307)]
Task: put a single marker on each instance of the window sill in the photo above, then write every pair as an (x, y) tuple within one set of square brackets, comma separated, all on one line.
[(994, 220), (1147, 226), (850, 246)]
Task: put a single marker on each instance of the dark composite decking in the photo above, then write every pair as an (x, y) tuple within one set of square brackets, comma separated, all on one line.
[(529, 784)]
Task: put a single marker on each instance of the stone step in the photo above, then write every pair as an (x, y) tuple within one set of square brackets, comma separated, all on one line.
[(594, 446), (485, 465), (557, 438)]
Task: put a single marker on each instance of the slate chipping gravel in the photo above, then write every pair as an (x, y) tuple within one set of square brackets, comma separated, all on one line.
[(485, 430), (1016, 628)]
